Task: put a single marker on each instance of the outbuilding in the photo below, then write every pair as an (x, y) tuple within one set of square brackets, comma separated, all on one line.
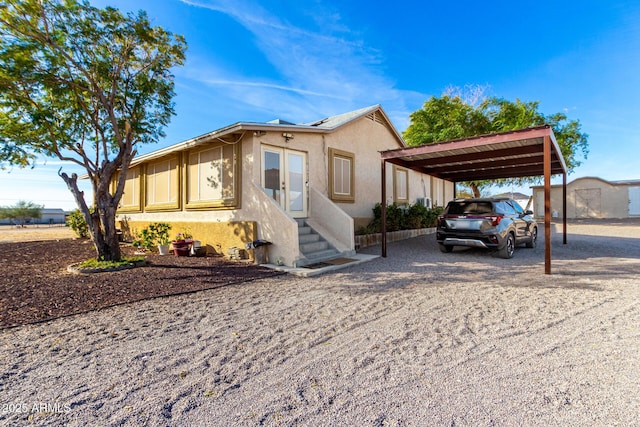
[(592, 197)]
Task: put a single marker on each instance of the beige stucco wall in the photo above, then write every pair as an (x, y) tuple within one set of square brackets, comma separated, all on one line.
[(586, 198), (217, 237)]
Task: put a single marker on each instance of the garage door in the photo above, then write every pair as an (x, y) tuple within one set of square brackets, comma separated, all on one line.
[(587, 203), (634, 201)]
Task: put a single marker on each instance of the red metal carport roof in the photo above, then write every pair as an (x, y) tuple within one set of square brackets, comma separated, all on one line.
[(514, 154)]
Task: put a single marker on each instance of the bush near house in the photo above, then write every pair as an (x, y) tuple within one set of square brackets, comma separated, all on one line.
[(401, 217)]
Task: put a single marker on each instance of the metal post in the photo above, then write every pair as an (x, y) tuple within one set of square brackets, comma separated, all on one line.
[(383, 208), (547, 204), (564, 208)]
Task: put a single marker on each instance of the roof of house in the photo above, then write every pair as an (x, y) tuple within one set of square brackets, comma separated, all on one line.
[(326, 125)]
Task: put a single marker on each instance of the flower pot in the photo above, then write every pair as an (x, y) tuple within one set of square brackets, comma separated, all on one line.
[(163, 249), (181, 251), (181, 247)]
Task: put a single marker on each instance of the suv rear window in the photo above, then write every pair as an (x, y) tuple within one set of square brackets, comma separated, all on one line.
[(463, 208)]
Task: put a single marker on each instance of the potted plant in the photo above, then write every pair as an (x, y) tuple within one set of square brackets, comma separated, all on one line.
[(154, 235), (182, 243), (160, 236)]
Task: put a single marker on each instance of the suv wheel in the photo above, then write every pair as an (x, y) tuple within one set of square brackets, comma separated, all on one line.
[(534, 238), (446, 248), (508, 248)]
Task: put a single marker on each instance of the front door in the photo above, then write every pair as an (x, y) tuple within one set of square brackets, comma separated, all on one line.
[(284, 179)]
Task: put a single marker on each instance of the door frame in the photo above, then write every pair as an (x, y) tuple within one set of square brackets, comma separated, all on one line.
[(286, 181)]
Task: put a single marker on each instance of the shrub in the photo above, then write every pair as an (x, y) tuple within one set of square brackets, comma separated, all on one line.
[(402, 218), (417, 216), (432, 216), (154, 234), (77, 223)]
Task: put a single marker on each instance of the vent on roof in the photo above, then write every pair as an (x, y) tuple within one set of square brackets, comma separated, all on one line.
[(280, 122), (319, 122), (376, 117)]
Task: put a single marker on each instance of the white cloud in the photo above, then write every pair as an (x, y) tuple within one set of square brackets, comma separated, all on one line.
[(323, 67)]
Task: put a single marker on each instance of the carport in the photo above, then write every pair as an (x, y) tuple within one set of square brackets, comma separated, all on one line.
[(520, 153)]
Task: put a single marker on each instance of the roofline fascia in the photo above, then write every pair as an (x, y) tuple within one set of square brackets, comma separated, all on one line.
[(251, 126), (236, 127), (254, 126), (370, 110)]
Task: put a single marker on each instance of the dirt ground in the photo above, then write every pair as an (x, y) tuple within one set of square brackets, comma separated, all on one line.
[(35, 284), (32, 233)]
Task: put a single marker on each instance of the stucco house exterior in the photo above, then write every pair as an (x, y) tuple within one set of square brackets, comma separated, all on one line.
[(303, 187), (592, 197)]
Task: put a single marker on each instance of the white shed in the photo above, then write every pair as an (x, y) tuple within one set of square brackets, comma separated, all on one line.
[(592, 197)]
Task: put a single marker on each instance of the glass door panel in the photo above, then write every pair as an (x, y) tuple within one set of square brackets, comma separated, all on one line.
[(272, 174), (284, 179), (295, 184)]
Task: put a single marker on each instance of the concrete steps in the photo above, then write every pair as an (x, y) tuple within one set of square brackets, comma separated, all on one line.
[(313, 246)]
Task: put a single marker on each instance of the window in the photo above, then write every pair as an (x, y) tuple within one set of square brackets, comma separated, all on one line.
[(130, 200), (211, 177), (162, 184), (400, 185), (517, 207), (341, 176)]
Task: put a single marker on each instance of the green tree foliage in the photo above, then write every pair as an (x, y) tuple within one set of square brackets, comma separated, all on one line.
[(85, 85), (21, 212), (452, 117)]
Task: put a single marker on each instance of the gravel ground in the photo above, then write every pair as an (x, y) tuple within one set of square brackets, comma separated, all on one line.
[(418, 338)]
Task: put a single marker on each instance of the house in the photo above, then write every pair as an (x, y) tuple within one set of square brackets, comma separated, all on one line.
[(592, 197), (303, 187)]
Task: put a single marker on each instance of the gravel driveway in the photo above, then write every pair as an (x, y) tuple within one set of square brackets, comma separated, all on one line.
[(418, 338)]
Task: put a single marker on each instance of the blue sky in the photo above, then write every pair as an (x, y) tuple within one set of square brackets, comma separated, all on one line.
[(305, 60)]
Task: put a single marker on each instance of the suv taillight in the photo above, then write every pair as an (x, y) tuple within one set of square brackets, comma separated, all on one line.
[(495, 220)]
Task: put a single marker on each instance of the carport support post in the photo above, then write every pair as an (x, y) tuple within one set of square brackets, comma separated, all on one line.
[(547, 204), (564, 208), (383, 208)]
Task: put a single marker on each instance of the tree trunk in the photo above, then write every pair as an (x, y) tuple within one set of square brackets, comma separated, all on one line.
[(101, 222), (105, 213), (475, 189)]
